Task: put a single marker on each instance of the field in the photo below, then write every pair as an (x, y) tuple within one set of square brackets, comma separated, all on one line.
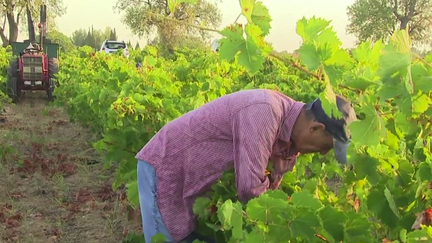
[(69, 169), (55, 187)]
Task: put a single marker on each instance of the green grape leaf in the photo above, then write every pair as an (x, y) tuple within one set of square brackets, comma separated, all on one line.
[(132, 193), (150, 61), (200, 207), (367, 132), (391, 201), (367, 167), (420, 103), (313, 57), (368, 54), (232, 43), (339, 58), (333, 222), (230, 216), (237, 222), (334, 74), (317, 30), (263, 207), (247, 8), (359, 83), (277, 194), (260, 17), (328, 102), (403, 235), (158, 238), (251, 55), (419, 236), (256, 236), (403, 126), (424, 172), (391, 62), (386, 92), (381, 208), (422, 79), (205, 86), (256, 13), (357, 228), (309, 56), (305, 199), (401, 41), (304, 223)]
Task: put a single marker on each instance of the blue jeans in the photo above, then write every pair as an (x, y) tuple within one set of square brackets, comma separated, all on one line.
[(152, 222)]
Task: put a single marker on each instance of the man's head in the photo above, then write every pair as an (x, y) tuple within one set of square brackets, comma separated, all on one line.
[(319, 133)]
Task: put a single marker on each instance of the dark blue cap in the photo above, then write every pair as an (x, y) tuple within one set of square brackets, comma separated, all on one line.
[(337, 127)]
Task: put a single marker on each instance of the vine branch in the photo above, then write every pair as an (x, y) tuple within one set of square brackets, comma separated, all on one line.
[(295, 65)]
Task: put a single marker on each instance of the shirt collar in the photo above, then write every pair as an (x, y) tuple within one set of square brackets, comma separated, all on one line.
[(289, 121)]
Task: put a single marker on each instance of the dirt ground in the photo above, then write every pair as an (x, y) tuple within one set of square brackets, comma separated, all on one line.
[(54, 187)]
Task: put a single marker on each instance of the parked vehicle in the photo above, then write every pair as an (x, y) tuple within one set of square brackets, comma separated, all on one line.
[(215, 45), (111, 46)]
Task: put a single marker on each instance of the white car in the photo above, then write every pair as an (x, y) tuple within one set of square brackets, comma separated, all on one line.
[(215, 45), (110, 46)]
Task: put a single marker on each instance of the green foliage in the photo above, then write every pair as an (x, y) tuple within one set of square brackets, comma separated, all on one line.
[(92, 37), (65, 43), (378, 19), (170, 20), (376, 197), (5, 56), (18, 22)]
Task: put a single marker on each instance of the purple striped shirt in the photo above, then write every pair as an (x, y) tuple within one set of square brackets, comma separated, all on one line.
[(242, 130)]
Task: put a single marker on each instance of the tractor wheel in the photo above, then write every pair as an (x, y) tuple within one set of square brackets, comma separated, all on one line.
[(50, 90), (12, 87), (53, 68)]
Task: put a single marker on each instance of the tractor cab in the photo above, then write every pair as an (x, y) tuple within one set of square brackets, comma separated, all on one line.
[(36, 65)]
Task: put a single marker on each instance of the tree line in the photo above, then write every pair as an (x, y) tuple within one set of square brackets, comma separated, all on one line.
[(94, 37), (85, 37), (368, 20)]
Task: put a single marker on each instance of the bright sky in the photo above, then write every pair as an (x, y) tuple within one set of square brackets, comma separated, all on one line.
[(285, 13)]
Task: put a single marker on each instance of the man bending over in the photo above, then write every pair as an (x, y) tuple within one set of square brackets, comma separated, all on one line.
[(242, 130)]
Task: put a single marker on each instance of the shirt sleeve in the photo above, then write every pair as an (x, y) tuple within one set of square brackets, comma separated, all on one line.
[(254, 132)]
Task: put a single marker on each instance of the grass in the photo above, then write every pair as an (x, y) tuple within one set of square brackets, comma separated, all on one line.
[(52, 189)]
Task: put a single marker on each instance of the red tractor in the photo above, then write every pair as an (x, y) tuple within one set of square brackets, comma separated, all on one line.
[(35, 69)]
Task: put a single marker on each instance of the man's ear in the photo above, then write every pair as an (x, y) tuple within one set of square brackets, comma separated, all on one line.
[(317, 126)]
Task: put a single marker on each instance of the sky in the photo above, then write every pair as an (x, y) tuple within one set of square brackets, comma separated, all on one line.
[(285, 14)]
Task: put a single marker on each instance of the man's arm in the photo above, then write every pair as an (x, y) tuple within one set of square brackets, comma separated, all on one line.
[(280, 167), (254, 132)]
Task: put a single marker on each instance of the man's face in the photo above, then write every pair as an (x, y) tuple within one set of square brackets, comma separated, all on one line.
[(315, 139)]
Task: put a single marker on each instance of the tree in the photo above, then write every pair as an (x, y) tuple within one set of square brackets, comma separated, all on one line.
[(65, 43), (91, 37), (137, 46), (79, 37), (14, 15), (147, 17), (113, 35), (378, 19)]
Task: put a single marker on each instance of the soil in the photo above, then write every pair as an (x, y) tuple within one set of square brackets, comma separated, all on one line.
[(54, 185)]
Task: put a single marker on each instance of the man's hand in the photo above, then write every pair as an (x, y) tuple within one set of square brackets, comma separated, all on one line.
[(275, 184), (282, 162), (280, 167)]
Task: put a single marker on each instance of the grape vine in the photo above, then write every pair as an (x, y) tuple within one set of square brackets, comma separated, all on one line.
[(375, 198), (5, 55)]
